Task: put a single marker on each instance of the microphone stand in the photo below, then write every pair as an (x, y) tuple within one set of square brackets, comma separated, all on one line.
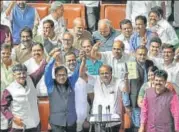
[(109, 119), (107, 116)]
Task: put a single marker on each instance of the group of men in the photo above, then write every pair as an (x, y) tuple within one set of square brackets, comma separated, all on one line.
[(134, 71)]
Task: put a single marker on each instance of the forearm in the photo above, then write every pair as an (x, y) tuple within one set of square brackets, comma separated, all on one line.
[(36, 76), (9, 8)]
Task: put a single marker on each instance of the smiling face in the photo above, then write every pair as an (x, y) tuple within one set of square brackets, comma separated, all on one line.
[(153, 18), (154, 48), (61, 76), (127, 30), (5, 55), (37, 53), (140, 25), (20, 77), (105, 74), (159, 83), (168, 55), (26, 39), (86, 47), (70, 61)]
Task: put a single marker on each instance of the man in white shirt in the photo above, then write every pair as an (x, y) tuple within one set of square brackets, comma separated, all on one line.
[(107, 92), (167, 63), (56, 15), (115, 58), (162, 27), (34, 63), (127, 30)]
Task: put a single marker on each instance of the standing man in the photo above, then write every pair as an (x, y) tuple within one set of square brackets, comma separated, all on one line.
[(21, 15), (92, 14), (19, 99), (160, 107), (61, 91)]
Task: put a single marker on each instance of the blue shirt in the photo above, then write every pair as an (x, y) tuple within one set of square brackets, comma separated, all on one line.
[(135, 40), (93, 67), (106, 42), (49, 81)]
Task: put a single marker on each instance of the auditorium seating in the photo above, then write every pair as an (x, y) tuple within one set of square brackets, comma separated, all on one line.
[(71, 11), (114, 12)]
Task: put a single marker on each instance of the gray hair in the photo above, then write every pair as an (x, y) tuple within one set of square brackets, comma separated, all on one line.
[(105, 21), (55, 5), (19, 67)]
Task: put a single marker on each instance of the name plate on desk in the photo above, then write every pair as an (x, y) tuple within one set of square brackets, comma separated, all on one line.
[(132, 70), (106, 118)]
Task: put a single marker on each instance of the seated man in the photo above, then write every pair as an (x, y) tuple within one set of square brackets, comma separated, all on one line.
[(162, 27), (127, 30), (141, 36), (160, 118), (79, 33), (107, 92), (56, 15), (105, 34)]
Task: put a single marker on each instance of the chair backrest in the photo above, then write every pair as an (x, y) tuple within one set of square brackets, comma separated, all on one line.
[(71, 11), (114, 12), (42, 8)]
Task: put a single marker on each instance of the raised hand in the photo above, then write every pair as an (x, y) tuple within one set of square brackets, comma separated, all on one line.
[(7, 38), (96, 46), (82, 55)]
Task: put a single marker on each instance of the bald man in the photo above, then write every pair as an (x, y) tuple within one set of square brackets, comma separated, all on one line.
[(115, 58), (105, 34), (79, 32)]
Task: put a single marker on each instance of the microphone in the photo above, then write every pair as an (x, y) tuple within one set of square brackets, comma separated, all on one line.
[(100, 113)]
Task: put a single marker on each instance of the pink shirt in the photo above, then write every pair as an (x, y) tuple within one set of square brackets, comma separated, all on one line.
[(156, 111)]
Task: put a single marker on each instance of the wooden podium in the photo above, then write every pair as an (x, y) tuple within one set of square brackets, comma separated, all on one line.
[(44, 112)]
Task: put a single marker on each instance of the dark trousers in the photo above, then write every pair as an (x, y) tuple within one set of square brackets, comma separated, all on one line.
[(3, 130), (113, 129), (36, 129), (56, 128)]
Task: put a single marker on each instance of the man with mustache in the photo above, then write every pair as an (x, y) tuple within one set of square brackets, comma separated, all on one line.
[(168, 64), (15, 12), (61, 91), (79, 32), (142, 35), (161, 26), (160, 107), (22, 52), (107, 92), (34, 63), (19, 99)]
